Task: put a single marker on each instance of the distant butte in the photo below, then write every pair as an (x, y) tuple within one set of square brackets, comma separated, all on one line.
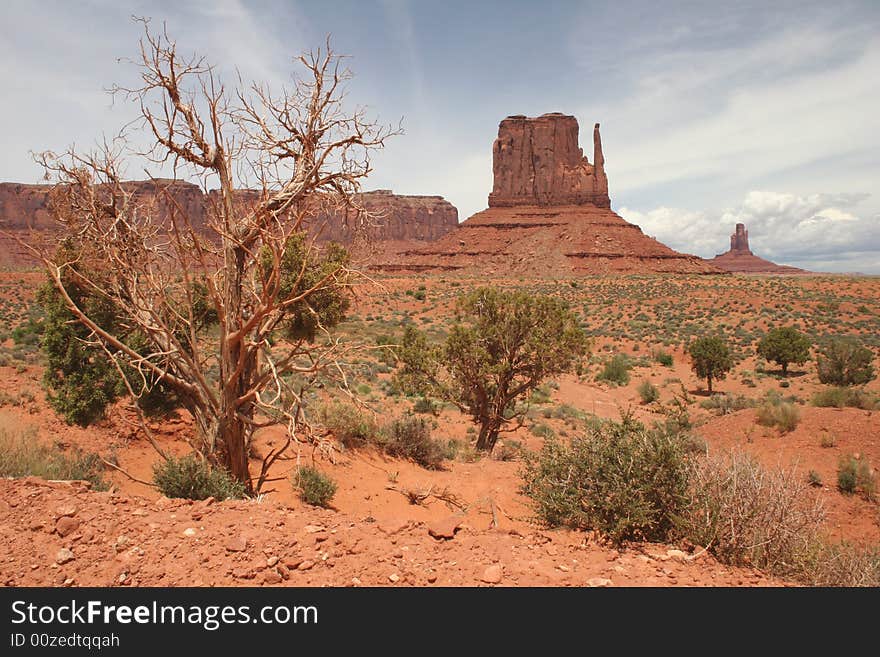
[(740, 259), (549, 215)]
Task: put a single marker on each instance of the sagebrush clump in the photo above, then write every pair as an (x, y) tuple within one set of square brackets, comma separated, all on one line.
[(410, 438), (192, 478), (747, 515), (621, 479), (315, 487), (22, 455)]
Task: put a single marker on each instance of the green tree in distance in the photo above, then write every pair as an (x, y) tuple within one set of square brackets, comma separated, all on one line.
[(710, 358), (503, 346)]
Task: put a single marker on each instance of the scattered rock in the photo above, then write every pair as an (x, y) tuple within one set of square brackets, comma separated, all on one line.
[(190, 531), (678, 555), (493, 574), (66, 510), (394, 526), (445, 529), (271, 561), (64, 555), (66, 525), (595, 582), (306, 565), (314, 529), (394, 578), (272, 576), (236, 543)]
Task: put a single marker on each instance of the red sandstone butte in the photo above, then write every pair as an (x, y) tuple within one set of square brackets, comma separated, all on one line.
[(549, 215), (741, 260), (537, 161)]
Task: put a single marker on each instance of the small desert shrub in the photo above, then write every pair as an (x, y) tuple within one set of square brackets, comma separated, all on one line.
[(662, 357), (845, 362), (747, 515), (542, 430), (509, 450), (351, 426), (192, 478), (840, 397), (648, 392), (828, 440), (854, 475), (459, 450), (616, 370), (315, 487), (727, 403), (841, 564), (410, 438), (814, 478), (782, 415), (621, 479), (425, 405), (21, 455)]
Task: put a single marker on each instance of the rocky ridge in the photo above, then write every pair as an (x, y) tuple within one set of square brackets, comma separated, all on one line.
[(24, 211)]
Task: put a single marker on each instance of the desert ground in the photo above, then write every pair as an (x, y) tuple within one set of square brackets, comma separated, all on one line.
[(395, 523)]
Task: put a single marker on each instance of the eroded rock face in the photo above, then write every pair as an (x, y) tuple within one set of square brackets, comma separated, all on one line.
[(394, 217), (24, 211), (537, 161)]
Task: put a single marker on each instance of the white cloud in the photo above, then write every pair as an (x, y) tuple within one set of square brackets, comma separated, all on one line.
[(821, 232), (741, 116)]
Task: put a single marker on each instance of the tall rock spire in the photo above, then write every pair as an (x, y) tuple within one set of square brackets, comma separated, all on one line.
[(600, 180)]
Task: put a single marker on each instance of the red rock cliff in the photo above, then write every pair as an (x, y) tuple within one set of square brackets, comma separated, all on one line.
[(537, 161), (24, 211)]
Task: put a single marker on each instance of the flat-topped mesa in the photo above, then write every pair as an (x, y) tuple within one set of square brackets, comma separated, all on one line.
[(537, 161), (739, 241)]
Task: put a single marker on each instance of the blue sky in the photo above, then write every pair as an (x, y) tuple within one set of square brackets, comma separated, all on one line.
[(767, 113)]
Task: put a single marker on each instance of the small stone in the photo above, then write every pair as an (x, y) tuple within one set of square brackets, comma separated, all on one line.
[(394, 526), (122, 542), (283, 571), (189, 531), (493, 574), (306, 565), (66, 510), (272, 576), (678, 555), (355, 581), (271, 561), (445, 529), (314, 529), (66, 525), (595, 582), (236, 543), (64, 555), (394, 578), (432, 578)]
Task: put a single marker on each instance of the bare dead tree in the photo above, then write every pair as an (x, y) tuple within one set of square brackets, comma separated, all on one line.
[(277, 159)]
